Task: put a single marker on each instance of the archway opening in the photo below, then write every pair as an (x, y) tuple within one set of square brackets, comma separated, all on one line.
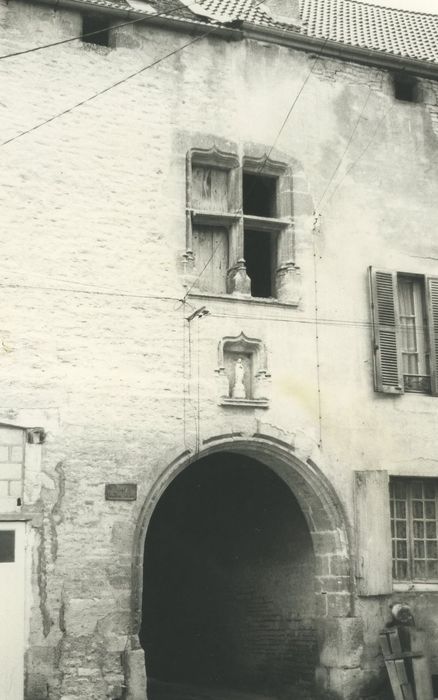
[(228, 586)]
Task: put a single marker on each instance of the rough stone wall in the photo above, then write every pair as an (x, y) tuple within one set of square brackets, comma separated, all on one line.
[(95, 341)]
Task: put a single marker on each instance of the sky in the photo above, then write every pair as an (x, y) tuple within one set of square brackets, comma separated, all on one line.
[(418, 5)]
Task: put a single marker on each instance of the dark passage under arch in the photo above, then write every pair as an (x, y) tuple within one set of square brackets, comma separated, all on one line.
[(228, 585)]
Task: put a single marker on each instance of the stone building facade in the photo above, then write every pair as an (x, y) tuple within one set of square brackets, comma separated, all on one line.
[(218, 346)]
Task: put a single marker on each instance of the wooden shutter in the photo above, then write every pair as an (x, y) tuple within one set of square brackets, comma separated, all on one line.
[(373, 533), (432, 314), (209, 188), (388, 376), (210, 246)]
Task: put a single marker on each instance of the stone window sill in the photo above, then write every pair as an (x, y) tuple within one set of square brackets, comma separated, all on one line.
[(246, 299), (413, 587), (244, 403)]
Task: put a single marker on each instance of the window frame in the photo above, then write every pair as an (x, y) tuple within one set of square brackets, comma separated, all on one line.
[(420, 332), (235, 221), (409, 484), (387, 344)]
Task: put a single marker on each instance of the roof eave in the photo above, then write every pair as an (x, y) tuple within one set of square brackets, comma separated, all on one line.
[(344, 52), (295, 40), (178, 25)]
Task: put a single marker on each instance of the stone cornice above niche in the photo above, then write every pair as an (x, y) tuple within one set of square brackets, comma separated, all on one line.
[(242, 375)]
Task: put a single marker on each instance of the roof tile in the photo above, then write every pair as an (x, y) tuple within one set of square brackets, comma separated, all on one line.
[(351, 22)]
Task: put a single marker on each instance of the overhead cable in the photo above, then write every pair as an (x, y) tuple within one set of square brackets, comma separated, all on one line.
[(108, 88), (79, 37)]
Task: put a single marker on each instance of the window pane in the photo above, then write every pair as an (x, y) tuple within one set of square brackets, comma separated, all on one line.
[(430, 509), (431, 530), (402, 570), (7, 546), (417, 509), (401, 550), (429, 488), (418, 528), (431, 549), (409, 343), (432, 568), (401, 529), (400, 509), (399, 489), (419, 549), (420, 569), (406, 296), (417, 489)]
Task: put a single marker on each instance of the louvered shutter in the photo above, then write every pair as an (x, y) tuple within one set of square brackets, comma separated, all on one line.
[(373, 533), (388, 376), (432, 312)]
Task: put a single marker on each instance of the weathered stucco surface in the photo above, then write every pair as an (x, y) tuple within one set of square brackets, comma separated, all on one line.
[(95, 345)]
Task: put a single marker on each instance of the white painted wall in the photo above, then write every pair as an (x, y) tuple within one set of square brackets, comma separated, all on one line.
[(12, 578)]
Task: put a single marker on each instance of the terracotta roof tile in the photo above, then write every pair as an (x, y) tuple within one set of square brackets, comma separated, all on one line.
[(397, 32), (350, 22)]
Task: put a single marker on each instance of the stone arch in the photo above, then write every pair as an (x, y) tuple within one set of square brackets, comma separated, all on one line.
[(322, 509)]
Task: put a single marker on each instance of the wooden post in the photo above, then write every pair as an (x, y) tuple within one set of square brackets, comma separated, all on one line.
[(396, 659)]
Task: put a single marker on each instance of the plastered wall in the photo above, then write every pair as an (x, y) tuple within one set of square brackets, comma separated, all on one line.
[(93, 330)]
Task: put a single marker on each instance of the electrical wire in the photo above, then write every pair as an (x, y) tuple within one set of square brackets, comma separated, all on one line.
[(168, 12), (360, 156), (330, 322), (353, 132), (268, 154), (80, 37), (109, 87), (154, 63), (295, 100), (117, 83), (342, 323), (202, 271), (155, 297), (317, 352)]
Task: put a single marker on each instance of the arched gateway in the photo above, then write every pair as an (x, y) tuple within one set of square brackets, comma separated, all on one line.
[(242, 565)]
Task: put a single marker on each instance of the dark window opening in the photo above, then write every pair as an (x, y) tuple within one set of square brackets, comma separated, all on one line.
[(7, 546), (405, 88), (259, 195), (259, 252), (95, 30), (435, 685)]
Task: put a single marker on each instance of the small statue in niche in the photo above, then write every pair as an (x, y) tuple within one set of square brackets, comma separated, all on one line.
[(238, 391)]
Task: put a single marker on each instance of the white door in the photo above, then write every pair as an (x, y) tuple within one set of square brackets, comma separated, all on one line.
[(11, 610)]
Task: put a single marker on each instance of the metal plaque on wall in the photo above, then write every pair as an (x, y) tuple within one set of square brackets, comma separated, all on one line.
[(120, 492)]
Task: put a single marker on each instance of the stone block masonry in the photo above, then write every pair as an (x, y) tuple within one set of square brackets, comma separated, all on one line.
[(11, 468), (96, 333)]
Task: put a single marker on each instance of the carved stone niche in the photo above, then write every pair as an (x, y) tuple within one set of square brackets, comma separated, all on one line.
[(242, 375)]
